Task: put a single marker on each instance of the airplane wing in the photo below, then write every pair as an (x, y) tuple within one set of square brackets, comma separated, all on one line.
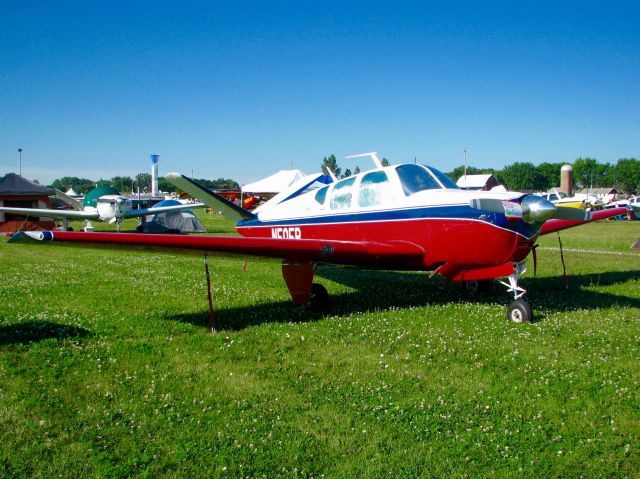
[(161, 209), (556, 224), (81, 215), (210, 198), (395, 254)]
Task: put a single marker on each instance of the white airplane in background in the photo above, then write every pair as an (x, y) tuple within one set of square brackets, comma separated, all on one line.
[(110, 208)]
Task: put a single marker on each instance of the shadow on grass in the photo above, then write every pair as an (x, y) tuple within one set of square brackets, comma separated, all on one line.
[(34, 331), (381, 290)]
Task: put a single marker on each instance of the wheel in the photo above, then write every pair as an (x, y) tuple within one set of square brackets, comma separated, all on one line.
[(476, 286), (520, 311), (319, 298)]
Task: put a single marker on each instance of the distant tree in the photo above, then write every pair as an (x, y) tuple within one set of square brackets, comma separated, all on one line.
[(347, 173), (330, 163), (164, 185), (384, 162), (80, 185), (219, 184), (356, 170), (583, 171), (608, 177), (521, 176), (143, 181), (628, 174), (550, 173), (122, 183)]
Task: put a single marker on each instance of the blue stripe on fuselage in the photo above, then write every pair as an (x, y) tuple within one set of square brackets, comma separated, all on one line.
[(453, 212)]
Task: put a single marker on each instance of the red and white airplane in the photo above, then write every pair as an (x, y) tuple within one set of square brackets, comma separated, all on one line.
[(398, 217)]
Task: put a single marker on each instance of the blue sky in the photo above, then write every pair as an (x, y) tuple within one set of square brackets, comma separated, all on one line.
[(242, 89)]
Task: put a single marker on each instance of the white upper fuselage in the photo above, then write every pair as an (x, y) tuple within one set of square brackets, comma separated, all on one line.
[(388, 188)]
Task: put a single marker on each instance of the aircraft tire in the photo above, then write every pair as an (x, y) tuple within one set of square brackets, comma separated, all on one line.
[(520, 311), (319, 299)]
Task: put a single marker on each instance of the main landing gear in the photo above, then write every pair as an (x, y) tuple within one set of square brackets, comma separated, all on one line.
[(519, 311)]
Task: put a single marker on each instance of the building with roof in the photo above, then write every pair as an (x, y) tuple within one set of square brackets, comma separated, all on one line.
[(18, 192), (483, 182)]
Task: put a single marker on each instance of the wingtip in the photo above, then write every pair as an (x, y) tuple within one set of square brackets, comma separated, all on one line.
[(31, 236)]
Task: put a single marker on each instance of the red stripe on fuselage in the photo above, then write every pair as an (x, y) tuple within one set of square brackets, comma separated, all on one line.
[(468, 243)]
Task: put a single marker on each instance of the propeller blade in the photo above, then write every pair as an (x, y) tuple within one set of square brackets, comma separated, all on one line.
[(577, 214)]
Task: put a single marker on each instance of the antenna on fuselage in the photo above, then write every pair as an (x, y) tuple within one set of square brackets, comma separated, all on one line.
[(373, 155)]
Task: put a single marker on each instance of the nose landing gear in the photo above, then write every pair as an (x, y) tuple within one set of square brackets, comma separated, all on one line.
[(519, 311)]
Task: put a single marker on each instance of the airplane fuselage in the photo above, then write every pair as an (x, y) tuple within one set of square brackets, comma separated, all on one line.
[(379, 206), (111, 207)]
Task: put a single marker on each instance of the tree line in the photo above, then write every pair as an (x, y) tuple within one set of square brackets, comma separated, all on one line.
[(587, 173), (128, 186)]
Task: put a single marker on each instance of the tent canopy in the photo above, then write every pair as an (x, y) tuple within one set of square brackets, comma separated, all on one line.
[(275, 183)]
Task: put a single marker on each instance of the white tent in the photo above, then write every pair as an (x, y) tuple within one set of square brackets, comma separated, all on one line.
[(275, 183), (71, 192)]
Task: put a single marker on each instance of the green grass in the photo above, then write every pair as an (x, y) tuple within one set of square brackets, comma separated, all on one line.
[(107, 368)]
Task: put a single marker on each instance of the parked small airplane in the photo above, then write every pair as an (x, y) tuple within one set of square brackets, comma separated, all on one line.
[(110, 208), (586, 202), (632, 203), (399, 217)]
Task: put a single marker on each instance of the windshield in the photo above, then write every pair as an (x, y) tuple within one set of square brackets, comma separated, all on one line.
[(415, 178), (444, 179)]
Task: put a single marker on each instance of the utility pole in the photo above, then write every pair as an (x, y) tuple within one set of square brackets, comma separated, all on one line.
[(20, 155), (465, 164)]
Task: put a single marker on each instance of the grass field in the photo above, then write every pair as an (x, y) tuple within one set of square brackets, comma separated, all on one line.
[(108, 369)]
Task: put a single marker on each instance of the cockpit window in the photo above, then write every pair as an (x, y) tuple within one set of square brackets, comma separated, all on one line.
[(444, 179), (374, 189), (415, 178), (342, 194)]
